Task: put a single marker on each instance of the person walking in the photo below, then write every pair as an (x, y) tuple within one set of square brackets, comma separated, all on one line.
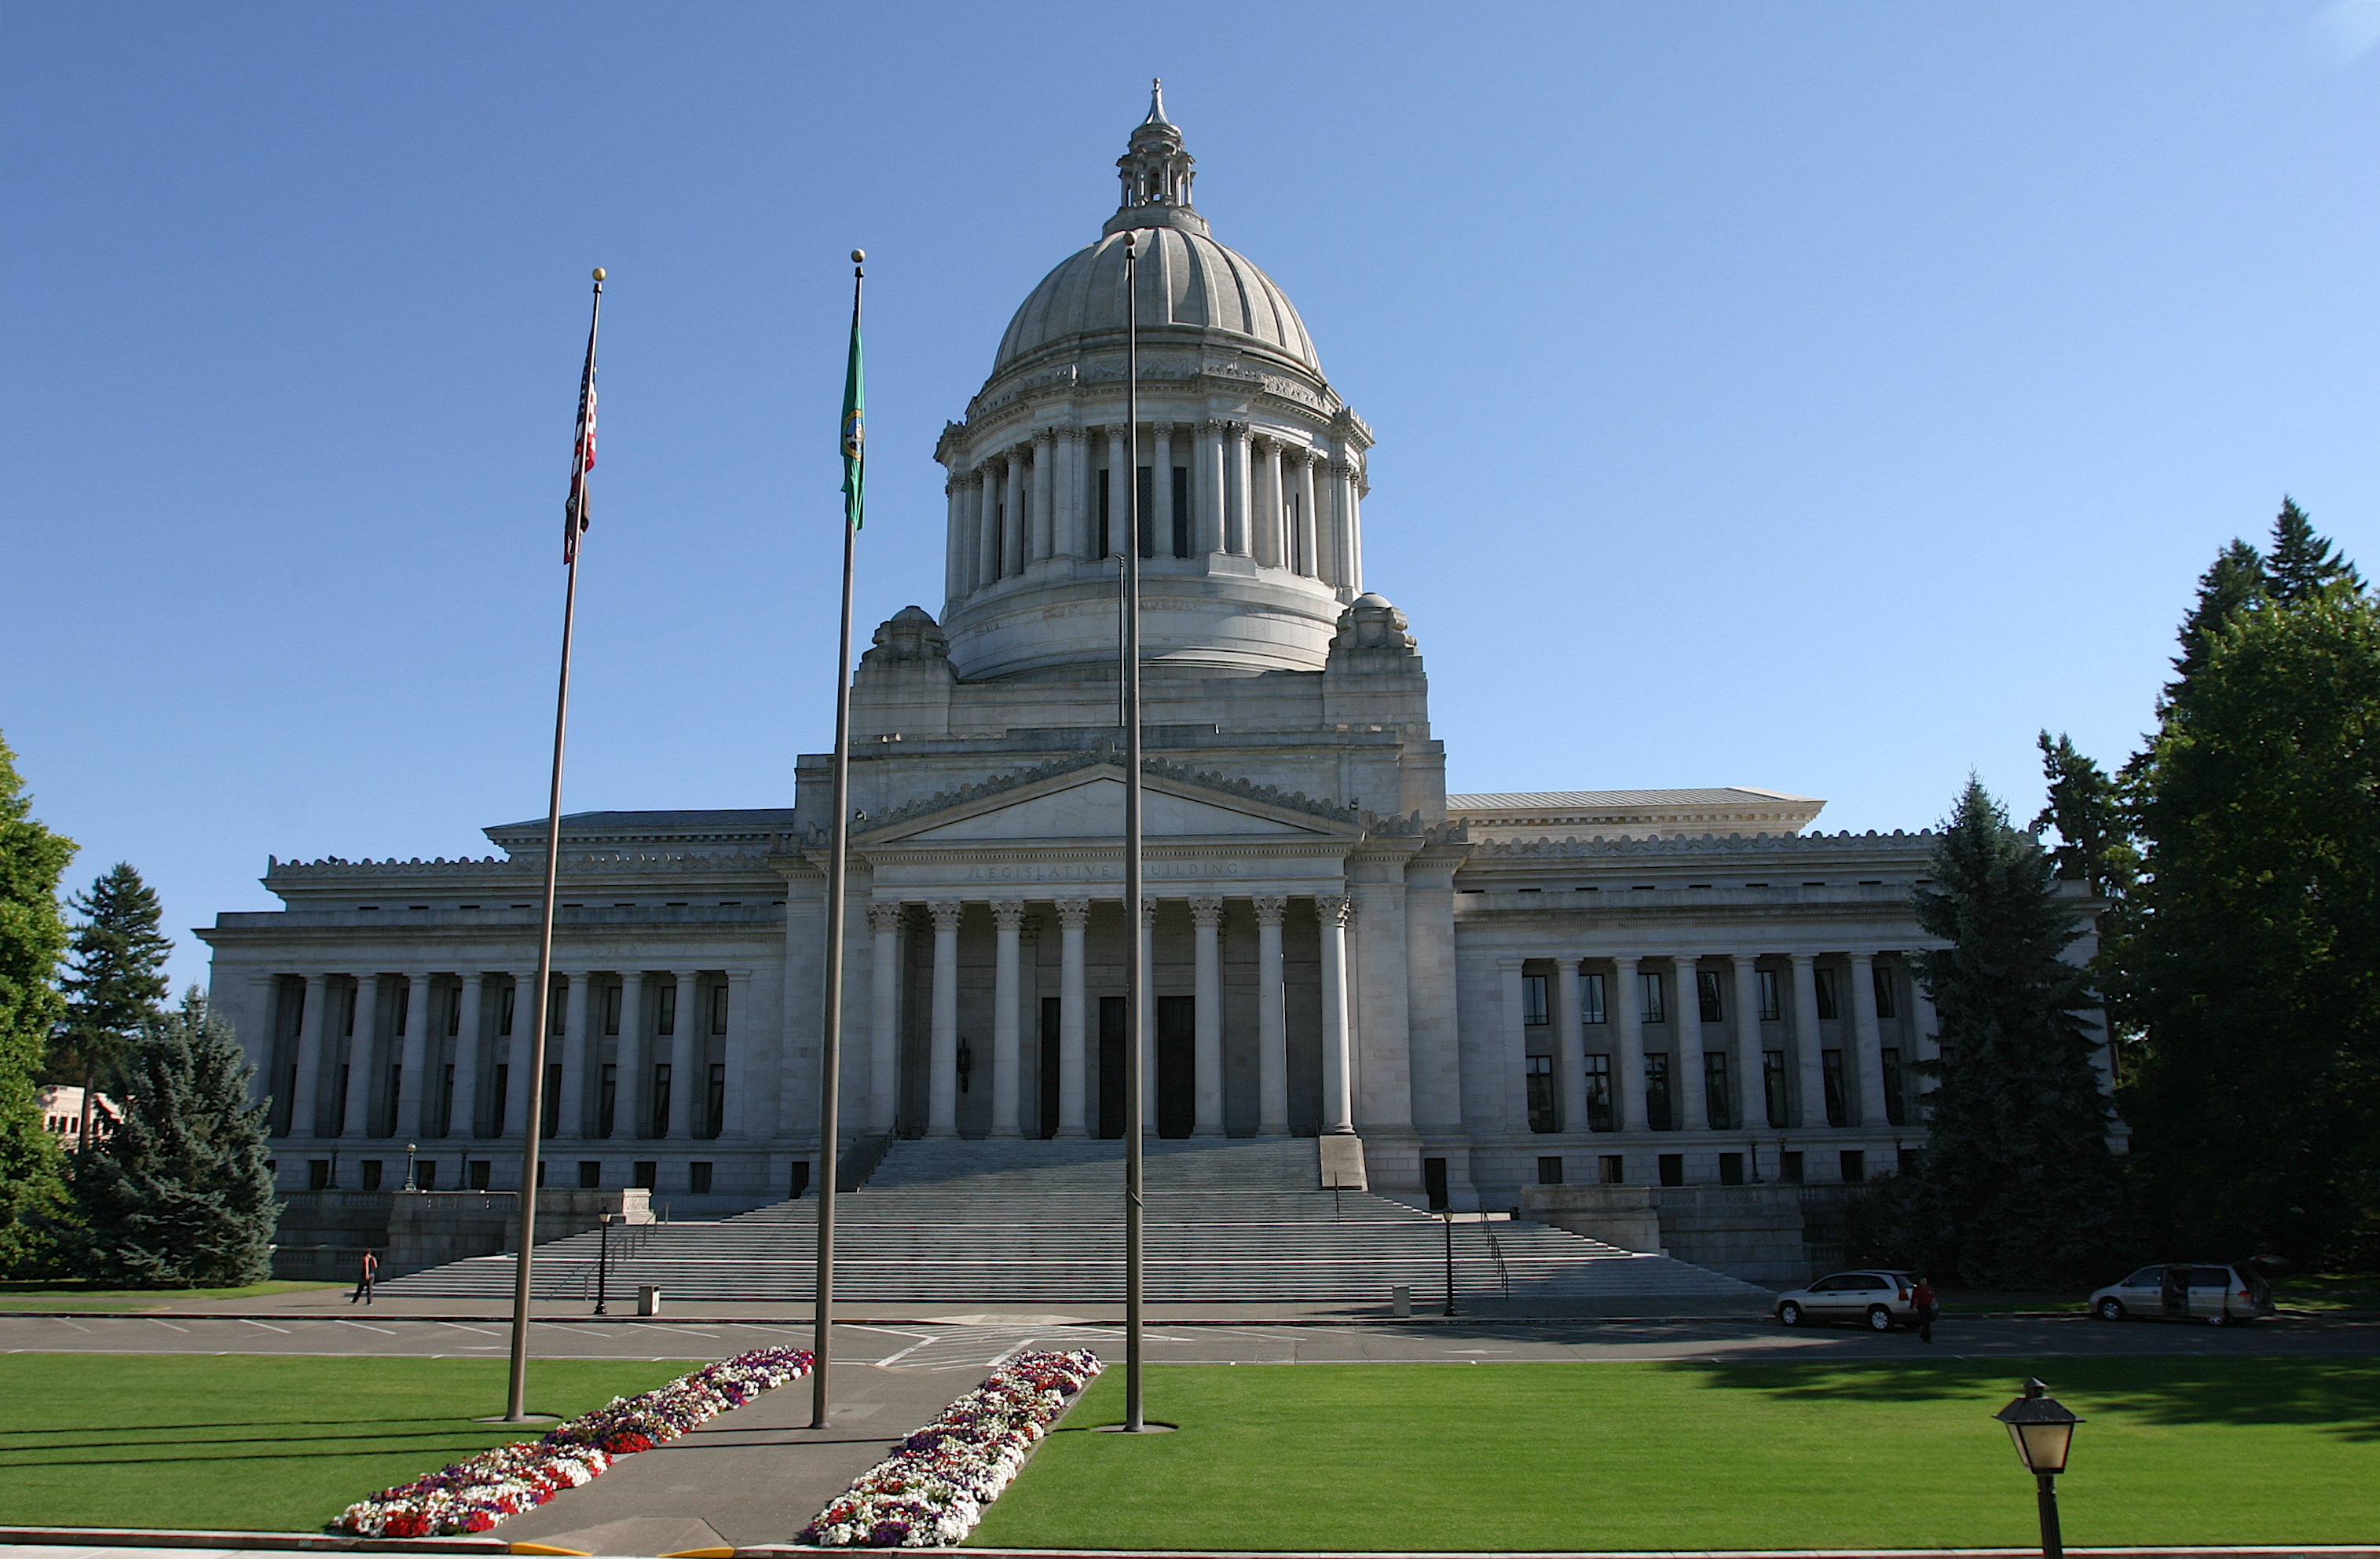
[(1921, 1297), (369, 1270)]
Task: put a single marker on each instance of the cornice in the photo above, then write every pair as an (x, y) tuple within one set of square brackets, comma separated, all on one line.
[(1843, 843)]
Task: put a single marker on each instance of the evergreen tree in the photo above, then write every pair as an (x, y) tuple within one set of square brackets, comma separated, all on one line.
[(2232, 583), (179, 1196), (2251, 966), (2016, 1188), (2086, 807), (33, 936), (114, 983)]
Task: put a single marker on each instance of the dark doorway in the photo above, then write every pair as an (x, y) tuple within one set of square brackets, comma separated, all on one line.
[(1111, 1065), (1047, 1125), (1433, 1180), (1177, 1065)]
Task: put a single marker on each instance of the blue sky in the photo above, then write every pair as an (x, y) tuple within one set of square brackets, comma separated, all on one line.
[(1820, 397)]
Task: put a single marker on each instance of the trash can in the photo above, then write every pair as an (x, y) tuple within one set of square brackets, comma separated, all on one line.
[(648, 1300), (1401, 1299)]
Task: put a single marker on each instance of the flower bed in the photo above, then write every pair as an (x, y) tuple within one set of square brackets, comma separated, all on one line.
[(473, 1495), (931, 1492)]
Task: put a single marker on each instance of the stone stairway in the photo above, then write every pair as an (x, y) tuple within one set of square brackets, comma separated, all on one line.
[(1040, 1222)]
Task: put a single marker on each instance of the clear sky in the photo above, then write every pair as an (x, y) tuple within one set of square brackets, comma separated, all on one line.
[(1823, 398)]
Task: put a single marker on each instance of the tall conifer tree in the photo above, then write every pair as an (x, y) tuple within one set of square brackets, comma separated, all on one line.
[(32, 936), (178, 1194), (114, 982)]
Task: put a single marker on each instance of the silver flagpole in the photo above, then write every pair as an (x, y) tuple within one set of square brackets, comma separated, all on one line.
[(830, 1043), (1136, 979), (575, 526)]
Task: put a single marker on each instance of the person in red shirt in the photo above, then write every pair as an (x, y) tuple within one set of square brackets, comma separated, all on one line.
[(1921, 1297), (364, 1281)]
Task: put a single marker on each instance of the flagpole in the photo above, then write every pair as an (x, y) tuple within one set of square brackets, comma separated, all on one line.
[(1136, 979), (574, 523), (839, 849)]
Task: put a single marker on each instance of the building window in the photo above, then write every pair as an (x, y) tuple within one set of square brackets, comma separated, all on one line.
[(541, 1174), (1106, 503), (1656, 1093), (453, 1012), (697, 1179), (719, 1009), (1789, 1168), (1830, 1064), (475, 1173), (1590, 988), (550, 1115), (499, 1097), (1599, 1093), (557, 1003), (1896, 1109), (1772, 1086), (1766, 979), (1433, 1184), (1906, 1160), (1854, 1165), (1707, 992), (425, 1175), (1827, 1005), (1611, 1169), (715, 1111), (611, 995), (1717, 1100), (447, 1100), (1543, 1114), (647, 1174), (1648, 991), (1532, 999), (504, 1000), (665, 1013), (1549, 1169), (607, 1098), (1673, 1168), (660, 1101), (1181, 512), (372, 1174), (590, 1174), (1731, 1169), (318, 1173), (1880, 978)]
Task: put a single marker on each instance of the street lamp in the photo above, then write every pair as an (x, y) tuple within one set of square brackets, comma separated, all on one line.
[(410, 1150), (602, 1259), (1448, 1215), (2043, 1432)]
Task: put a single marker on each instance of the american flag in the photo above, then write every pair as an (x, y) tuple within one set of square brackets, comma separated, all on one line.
[(582, 460)]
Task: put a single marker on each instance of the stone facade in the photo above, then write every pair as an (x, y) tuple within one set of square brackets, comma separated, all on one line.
[(1651, 989)]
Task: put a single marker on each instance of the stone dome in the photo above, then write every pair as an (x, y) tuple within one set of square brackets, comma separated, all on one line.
[(1188, 281)]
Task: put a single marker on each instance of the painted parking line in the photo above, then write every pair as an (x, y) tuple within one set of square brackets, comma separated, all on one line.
[(481, 1331), (64, 1322), (167, 1324), (246, 1322), (361, 1327)]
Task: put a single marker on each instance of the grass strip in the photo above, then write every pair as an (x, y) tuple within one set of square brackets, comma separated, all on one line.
[(1703, 1455), (66, 1294), (259, 1444)]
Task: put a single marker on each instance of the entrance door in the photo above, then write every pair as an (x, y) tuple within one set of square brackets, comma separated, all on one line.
[(1177, 1065), (1111, 1065), (1047, 1125)]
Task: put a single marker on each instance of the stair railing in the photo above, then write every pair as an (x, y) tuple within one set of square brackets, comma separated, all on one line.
[(860, 1160), (1495, 1250)]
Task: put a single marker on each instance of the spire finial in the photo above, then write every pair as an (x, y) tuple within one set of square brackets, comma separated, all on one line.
[(1156, 101), (1156, 173)]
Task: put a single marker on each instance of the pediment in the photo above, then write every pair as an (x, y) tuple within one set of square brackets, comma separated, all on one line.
[(1088, 804)]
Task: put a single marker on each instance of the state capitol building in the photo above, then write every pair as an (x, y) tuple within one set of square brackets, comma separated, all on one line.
[(1488, 992)]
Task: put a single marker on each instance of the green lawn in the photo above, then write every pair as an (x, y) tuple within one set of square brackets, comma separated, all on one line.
[(67, 1294), (254, 1443), (1691, 1455)]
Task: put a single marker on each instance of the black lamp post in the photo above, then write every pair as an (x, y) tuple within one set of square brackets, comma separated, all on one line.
[(2042, 1431), (602, 1260), (410, 1149), (1447, 1215)]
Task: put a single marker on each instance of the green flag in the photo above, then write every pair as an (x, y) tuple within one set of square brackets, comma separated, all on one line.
[(855, 434)]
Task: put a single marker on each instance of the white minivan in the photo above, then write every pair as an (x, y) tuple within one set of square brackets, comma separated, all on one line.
[(2219, 1296)]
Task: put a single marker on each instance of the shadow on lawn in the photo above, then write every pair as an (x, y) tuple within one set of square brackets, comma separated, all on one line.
[(22, 1437), (2341, 1396)]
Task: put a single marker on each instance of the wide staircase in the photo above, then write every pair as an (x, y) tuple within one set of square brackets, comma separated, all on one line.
[(1040, 1222)]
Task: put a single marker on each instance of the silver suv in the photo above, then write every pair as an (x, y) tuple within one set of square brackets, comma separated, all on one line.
[(2219, 1296), (1879, 1297)]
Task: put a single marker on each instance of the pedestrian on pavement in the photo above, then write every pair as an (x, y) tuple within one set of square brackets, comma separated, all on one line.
[(364, 1282), (1922, 1296)]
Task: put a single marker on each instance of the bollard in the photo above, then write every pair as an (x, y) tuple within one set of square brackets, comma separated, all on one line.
[(1401, 1299), (648, 1300)]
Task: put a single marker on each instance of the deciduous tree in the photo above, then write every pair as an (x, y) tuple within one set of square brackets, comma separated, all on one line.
[(32, 936)]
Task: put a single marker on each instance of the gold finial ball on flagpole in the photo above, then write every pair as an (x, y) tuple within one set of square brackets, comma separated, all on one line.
[(599, 273), (858, 257)]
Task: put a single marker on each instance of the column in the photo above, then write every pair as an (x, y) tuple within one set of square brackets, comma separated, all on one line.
[(1867, 1041), (1118, 499), (1161, 485), (1272, 1024), (884, 1017), (1570, 1044), (1686, 1063), (575, 1055), (1514, 1004), (1351, 534), (1044, 529), (1628, 1019), (954, 539), (735, 1053), (942, 1052), (1264, 502), (414, 1092), (1018, 527), (1237, 515), (629, 1067), (1206, 491), (1007, 921), (508, 1118), (362, 1018), (463, 1119), (1073, 915), (987, 524), (1752, 1075), (1806, 1043), (1332, 522), (687, 1086), (1207, 1002), (1068, 524), (1922, 1014), (1332, 910), (1309, 557), (305, 1089)]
